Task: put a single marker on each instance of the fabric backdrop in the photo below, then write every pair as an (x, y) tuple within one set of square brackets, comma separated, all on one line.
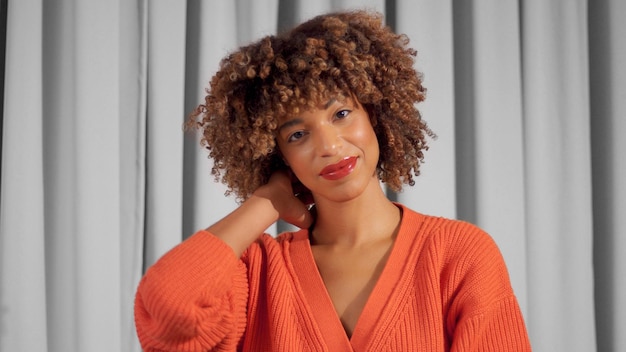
[(98, 179)]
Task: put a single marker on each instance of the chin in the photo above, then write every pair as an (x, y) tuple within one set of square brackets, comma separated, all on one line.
[(348, 191)]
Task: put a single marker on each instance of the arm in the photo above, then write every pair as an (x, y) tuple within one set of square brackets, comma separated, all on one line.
[(484, 314), (268, 203), (194, 298), (499, 328)]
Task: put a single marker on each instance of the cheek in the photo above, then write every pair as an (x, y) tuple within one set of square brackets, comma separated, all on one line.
[(366, 138), (296, 161)]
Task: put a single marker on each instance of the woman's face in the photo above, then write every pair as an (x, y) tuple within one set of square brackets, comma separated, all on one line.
[(333, 149)]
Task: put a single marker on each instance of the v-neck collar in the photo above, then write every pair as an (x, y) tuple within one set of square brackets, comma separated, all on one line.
[(319, 300)]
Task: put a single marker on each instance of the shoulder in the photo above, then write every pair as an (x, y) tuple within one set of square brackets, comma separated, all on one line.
[(269, 259), (268, 245), (452, 232), (281, 240), (470, 265), (458, 244)]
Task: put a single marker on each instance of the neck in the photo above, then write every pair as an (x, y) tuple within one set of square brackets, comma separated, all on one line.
[(367, 218)]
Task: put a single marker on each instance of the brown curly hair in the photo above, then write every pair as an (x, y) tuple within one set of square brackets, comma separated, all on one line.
[(349, 54)]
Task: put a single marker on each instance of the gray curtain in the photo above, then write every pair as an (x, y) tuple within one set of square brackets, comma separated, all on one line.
[(98, 179)]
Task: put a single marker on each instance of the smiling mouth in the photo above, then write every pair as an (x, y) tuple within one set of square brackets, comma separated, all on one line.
[(339, 170)]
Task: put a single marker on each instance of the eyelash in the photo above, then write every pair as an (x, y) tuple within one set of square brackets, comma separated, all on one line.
[(290, 137), (341, 114), (346, 111)]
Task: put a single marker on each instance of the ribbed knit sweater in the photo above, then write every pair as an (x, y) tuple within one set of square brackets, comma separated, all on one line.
[(444, 287)]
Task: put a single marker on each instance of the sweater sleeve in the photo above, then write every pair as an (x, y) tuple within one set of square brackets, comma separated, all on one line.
[(500, 328), (484, 314), (193, 298)]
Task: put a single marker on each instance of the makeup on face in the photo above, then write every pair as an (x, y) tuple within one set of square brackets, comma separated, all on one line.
[(340, 169)]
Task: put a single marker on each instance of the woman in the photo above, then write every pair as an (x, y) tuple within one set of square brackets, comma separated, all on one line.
[(303, 127)]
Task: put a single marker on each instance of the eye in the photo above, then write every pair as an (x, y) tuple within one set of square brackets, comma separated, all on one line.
[(342, 114), (296, 136)]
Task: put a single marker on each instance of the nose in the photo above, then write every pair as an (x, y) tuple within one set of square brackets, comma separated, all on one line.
[(327, 141)]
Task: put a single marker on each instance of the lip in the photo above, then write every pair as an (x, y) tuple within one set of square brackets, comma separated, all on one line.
[(340, 169)]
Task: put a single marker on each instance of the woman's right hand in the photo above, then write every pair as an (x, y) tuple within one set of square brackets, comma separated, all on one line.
[(289, 197), (270, 202)]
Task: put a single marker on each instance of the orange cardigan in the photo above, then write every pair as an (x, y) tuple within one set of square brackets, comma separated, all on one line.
[(444, 287)]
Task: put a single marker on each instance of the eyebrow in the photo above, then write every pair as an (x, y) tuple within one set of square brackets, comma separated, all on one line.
[(298, 120), (329, 103), (290, 123)]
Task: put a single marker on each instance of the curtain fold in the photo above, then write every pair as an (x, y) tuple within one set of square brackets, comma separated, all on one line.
[(165, 112), (211, 33), (489, 128), (94, 130), (22, 244), (99, 179), (558, 174), (429, 26), (608, 125), (134, 250), (59, 148)]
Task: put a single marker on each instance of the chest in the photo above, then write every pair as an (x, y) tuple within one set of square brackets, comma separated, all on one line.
[(350, 276), (312, 300)]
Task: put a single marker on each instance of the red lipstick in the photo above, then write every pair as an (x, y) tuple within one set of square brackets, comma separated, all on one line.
[(339, 170)]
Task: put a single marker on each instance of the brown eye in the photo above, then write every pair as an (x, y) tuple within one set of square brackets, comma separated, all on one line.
[(342, 114), (296, 136)]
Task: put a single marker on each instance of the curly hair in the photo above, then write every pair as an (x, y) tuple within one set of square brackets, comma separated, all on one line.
[(349, 54)]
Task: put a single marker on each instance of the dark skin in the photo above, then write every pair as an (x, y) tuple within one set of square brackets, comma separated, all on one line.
[(333, 152)]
